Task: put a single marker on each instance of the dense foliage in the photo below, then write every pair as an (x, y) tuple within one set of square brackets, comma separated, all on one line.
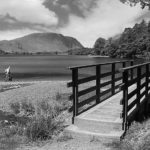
[(133, 42), (143, 3), (81, 51), (99, 44)]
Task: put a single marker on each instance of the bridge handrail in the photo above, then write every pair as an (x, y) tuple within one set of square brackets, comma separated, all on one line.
[(134, 100), (132, 67), (112, 84), (94, 65)]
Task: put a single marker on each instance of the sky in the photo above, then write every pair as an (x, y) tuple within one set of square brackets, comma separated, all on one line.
[(86, 20)]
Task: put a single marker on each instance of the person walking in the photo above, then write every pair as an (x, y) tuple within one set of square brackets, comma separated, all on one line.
[(8, 76)]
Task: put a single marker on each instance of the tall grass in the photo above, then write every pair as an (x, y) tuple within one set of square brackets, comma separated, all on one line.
[(136, 138), (38, 121)]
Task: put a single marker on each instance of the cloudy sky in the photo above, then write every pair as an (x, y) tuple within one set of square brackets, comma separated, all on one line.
[(85, 20)]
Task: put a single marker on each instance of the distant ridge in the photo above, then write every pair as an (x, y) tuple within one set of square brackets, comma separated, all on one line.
[(40, 43)]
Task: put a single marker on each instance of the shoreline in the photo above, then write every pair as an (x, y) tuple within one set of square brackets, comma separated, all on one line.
[(31, 81), (35, 92), (13, 85), (100, 56)]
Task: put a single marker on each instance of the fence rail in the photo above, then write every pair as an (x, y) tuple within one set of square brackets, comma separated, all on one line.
[(102, 89), (136, 92)]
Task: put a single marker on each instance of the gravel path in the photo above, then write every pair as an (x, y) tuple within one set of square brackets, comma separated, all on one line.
[(73, 144)]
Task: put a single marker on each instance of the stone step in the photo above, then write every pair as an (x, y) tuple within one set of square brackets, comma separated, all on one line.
[(98, 126), (103, 116), (101, 122), (81, 134)]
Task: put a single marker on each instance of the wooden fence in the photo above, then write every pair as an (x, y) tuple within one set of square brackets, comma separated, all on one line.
[(135, 92), (105, 85)]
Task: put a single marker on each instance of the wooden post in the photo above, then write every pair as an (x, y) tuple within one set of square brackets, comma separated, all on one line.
[(147, 79), (131, 70), (113, 79), (125, 100), (123, 66), (75, 92), (146, 88), (138, 91), (98, 72), (138, 85)]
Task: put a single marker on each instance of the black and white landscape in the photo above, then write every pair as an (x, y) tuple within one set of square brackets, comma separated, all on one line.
[(40, 40)]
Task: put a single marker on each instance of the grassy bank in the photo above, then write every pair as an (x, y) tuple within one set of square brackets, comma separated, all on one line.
[(136, 138), (33, 116), (32, 113)]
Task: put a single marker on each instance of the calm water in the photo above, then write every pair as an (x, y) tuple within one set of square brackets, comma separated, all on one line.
[(47, 67)]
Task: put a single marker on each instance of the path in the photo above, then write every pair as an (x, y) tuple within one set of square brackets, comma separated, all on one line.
[(102, 122)]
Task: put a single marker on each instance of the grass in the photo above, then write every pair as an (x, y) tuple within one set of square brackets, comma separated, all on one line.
[(136, 138), (33, 121), (36, 113), (63, 137)]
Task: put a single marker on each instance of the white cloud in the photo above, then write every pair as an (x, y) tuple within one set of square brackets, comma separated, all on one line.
[(10, 35), (108, 19), (28, 11)]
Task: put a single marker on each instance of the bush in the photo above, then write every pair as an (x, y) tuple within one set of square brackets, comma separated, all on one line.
[(15, 107), (63, 100), (28, 108), (136, 138), (40, 128), (44, 125), (38, 121)]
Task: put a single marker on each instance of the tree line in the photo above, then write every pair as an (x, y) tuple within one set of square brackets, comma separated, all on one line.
[(133, 42)]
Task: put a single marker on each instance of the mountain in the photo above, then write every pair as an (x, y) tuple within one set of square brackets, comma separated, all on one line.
[(40, 43)]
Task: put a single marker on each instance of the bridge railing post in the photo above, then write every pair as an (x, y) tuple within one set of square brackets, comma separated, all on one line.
[(113, 79), (125, 99), (131, 63), (75, 92), (146, 88), (98, 73), (138, 91), (123, 66)]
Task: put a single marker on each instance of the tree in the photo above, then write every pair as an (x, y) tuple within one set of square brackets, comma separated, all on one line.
[(143, 3), (99, 45), (149, 28), (113, 50), (133, 42)]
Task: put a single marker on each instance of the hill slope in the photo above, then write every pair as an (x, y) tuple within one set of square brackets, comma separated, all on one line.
[(40, 42)]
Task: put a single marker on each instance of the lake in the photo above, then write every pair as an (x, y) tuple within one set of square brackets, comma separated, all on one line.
[(47, 67)]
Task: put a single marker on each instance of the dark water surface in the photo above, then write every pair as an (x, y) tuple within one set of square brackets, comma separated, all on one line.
[(47, 67)]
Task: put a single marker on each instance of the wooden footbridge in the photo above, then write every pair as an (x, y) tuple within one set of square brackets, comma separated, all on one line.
[(109, 101)]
